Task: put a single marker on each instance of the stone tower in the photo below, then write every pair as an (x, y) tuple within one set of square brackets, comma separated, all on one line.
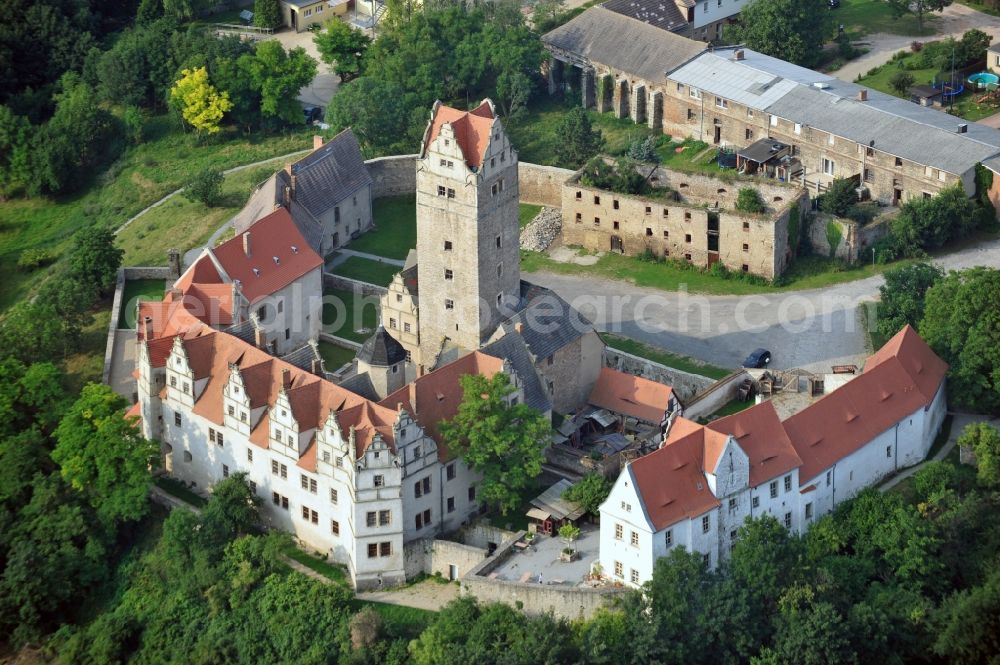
[(468, 261), (384, 360)]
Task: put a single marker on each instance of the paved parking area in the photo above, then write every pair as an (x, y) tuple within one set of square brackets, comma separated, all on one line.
[(323, 87), (542, 558)]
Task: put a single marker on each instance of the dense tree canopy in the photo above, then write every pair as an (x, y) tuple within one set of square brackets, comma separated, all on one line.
[(501, 441), (792, 30), (342, 47), (901, 299)]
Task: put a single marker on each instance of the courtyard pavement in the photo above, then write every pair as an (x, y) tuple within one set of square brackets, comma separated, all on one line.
[(542, 558), (123, 364)]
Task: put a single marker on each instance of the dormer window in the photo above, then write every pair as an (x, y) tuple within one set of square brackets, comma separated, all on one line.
[(256, 273), (295, 250), (277, 261)]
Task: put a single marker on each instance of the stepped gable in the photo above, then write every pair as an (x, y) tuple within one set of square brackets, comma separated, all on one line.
[(367, 420), (760, 434), (472, 130), (436, 396), (278, 255), (899, 379), (670, 481), (631, 395), (381, 349)]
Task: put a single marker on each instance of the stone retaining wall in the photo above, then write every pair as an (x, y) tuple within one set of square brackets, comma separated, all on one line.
[(125, 274), (715, 397), (357, 286), (684, 384), (541, 185), (395, 175)]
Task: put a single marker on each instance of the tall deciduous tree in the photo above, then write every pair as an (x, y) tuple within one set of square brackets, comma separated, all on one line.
[(341, 47), (377, 113), (962, 324), (917, 8), (500, 440), (279, 75), (267, 13), (103, 455), (95, 258), (902, 296), (579, 141), (589, 492), (984, 440), (792, 30), (200, 103)]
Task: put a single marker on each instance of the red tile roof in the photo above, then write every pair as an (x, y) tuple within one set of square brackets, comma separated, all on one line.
[(472, 130), (436, 396), (760, 434), (712, 442), (671, 482), (631, 395), (903, 378), (202, 271), (272, 237)]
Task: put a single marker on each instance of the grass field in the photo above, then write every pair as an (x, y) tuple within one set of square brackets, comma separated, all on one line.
[(137, 290), (178, 489), (332, 572), (683, 363), (334, 357), (87, 364), (965, 105), (395, 232), (863, 17), (527, 212), (399, 619), (366, 270), (184, 224), (805, 273), (141, 176), (734, 406), (343, 320)]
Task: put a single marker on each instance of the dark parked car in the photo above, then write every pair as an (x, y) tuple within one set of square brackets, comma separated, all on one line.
[(312, 114), (758, 359)]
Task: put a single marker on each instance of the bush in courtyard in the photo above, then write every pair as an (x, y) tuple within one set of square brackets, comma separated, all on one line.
[(839, 197), (901, 81), (206, 187), (749, 201)]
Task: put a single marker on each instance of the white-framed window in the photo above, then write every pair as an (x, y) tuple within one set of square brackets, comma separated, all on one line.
[(809, 511), (619, 569), (774, 121), (634, 576), (695, 92), (619, 532), (755, 502), (668, 537), (749, 113), (829, 166), (774, 488), (721, 103), (830, 139), (798, 128), (788, 483), (634, 539), (788, 520), (706, 523)]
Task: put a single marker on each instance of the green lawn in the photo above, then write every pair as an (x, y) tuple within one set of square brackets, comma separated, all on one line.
[(399, 620), (692, 155), (341, 314), (334, 573), (335, 357), (869, 314), (142, 175), (683, 363), (862, 17), (536, 133), (184, 224), (366, 270), (965, 105), (735, 406), (87, 363), (808, 272), (137, 290), (176, 488), (395, 232), (527, 212), (979, 7)]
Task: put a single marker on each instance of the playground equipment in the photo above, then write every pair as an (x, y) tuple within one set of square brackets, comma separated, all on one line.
[(983, 80)]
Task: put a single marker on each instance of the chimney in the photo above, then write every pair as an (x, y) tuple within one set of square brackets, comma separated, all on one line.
[(862, 95), (175, 294), (174, 261), (413, 397), (287, 198), (519, 327), (259, 337), (738, 54), (317, 142), (316, 367), (147, 328), (246, 243), (286, 378), (963, 128)]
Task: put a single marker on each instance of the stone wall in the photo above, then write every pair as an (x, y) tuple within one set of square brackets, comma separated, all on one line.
[(541, 185), (715, 396), (347, 284), (684, 384), (125, 274), (854, 238), (393, 176), (149, 272), (483, 534)]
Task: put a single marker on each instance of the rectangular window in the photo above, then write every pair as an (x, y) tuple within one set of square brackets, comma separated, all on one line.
[(619, 532), (695, 92), (788, 520), (427, 517), (451, 193), (668, 537), (447, 245), (441, 190), (173, 382), (634, 539), (899, 162), (305, 513), (619, 569), (225, 471), (372, 550), (788, 483), (284, 471), (378, 480), (809, 511), (448, 274), (756, 502), (384, 517), (472, 493), (211, 435), (499, 242), (706, 523), (385, 549), (774, 121), (450, 471), (232, 411), (177, 418), (798, 128), (427, 485), (732, 505), (335, 527), (597, 221), (721, 103), (392, 323), (828, 166), (274, 468), (370, 518), (333, 495), (417, 491), (614, 204), (303, 482), (451, 504), (419, 520), (888, 451), (774, 488), (827, 478), (406, 327), (275, 498), (579, 218), (597, 200), (746, 247), (748, 134), (634, 576)]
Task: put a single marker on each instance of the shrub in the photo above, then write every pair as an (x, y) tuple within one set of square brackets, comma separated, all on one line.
[(206, 187), (901, 81), (749, 201), (915, 46), (839, 197), (32, 259)]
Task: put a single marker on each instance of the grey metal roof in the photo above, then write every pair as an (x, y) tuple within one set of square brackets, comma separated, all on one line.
[(551, 501), (303, 357), (813, 99), (663, 14), (360, 384), (330, 174), (993, 164), (548, 323), (382, 350), (512, 348), (244, 331), (269, 196), (624, 43)]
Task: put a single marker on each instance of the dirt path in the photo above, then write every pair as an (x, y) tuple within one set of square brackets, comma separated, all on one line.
[(955, 20)]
